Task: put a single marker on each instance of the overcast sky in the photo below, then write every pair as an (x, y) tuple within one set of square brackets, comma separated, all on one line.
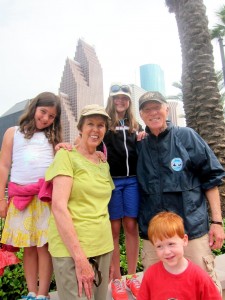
[(37, 36)]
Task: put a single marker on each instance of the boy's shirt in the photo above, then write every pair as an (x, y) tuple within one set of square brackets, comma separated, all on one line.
[(194, 283)]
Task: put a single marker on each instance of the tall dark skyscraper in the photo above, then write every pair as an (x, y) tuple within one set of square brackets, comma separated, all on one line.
[(81, 84)]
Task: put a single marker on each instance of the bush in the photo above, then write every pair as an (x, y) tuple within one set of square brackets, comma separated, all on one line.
[(123, 259), (13, 284)]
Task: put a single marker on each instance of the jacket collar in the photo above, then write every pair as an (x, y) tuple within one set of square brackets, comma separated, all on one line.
[(163, 133)]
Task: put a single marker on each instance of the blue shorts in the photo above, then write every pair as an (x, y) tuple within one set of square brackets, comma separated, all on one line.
[(125, 198)]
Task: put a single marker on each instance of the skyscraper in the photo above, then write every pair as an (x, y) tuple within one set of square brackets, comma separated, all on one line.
[(81, 84), (152, 78), (136, 93), (176, 112)]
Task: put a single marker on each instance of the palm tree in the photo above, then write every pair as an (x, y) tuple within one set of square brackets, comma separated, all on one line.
[(218, 32), (179, 95), (201, 96)]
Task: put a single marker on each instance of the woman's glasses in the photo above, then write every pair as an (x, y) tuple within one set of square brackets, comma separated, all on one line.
[(116, 88), (94, 264)]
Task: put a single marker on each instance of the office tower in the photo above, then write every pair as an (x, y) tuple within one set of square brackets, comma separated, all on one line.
[(81, 84), (11, 117), (152, 78), (176, 113), (136, 93)]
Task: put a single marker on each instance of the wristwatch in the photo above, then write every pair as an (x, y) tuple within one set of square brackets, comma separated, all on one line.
[(217, 222)]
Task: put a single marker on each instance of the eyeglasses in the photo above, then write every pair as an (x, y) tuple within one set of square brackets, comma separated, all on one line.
[(148, 110), (116, 88), (121, 98), (94, 264)]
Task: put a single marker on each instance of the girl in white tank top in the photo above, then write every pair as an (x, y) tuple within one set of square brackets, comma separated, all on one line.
[(27, 151)]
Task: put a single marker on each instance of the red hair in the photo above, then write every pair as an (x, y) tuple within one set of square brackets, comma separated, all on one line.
[(165, 225)]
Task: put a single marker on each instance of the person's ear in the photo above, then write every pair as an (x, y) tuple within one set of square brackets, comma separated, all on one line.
[(185, 239), (140, 112)]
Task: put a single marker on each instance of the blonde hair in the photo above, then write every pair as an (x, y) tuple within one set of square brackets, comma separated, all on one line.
[(111, 111), (165, 225)]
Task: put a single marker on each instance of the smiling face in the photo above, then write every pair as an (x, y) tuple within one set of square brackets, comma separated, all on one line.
[(154, 114), (171, 252), (44, 116), (93, 130), (121, 103)]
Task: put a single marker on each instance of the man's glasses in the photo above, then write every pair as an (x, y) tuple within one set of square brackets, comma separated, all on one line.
[(116, 88), (148, 110), (95, 267)]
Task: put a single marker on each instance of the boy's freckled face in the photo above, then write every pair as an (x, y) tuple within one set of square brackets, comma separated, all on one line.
[(171, 250)]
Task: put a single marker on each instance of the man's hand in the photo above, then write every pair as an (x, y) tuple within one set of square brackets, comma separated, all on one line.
[(216, 236)]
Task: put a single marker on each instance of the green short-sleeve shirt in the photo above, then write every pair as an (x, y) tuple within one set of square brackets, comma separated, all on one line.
[(88, 203)]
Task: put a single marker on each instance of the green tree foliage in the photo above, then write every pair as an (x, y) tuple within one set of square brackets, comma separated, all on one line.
[(219, 28)]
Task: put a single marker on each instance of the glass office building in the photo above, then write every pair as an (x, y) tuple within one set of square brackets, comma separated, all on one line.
[(152, 78)]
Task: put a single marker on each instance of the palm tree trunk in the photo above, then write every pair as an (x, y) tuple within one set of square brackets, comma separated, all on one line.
[(201, 97)]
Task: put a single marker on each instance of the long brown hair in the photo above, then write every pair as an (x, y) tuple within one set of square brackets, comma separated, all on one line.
[(27, 122), (114, 122)]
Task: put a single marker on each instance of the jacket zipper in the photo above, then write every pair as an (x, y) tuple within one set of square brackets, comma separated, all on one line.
[(122, 123)]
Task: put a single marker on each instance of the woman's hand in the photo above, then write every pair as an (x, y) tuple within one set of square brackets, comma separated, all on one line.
[(85, 276), (101, 156), (111, 272), (141, 135)]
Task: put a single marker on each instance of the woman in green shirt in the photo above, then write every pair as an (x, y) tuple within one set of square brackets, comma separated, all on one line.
[(79, 226)]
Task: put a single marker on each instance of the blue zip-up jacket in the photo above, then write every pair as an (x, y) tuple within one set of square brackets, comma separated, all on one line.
[(174, 169)]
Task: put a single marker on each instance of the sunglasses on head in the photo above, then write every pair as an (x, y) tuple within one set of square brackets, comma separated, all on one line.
[(98, 273), (116, 88)]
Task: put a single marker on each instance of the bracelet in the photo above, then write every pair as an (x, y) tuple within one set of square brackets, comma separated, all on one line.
[(1, 199), (217, 222)]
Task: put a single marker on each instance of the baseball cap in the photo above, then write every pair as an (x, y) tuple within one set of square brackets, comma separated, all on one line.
[(94, 109), (119, 88), (151, 96)]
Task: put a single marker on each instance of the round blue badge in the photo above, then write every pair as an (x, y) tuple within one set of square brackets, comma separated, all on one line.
[(176, 164)]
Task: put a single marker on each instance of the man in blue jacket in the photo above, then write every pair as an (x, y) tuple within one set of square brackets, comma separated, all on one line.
[(178, 172)]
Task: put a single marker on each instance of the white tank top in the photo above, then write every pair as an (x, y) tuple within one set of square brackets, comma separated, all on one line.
[(30, 157)]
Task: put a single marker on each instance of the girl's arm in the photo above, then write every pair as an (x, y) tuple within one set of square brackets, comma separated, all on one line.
[(5, 166), (61, 191), (141, 135)]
